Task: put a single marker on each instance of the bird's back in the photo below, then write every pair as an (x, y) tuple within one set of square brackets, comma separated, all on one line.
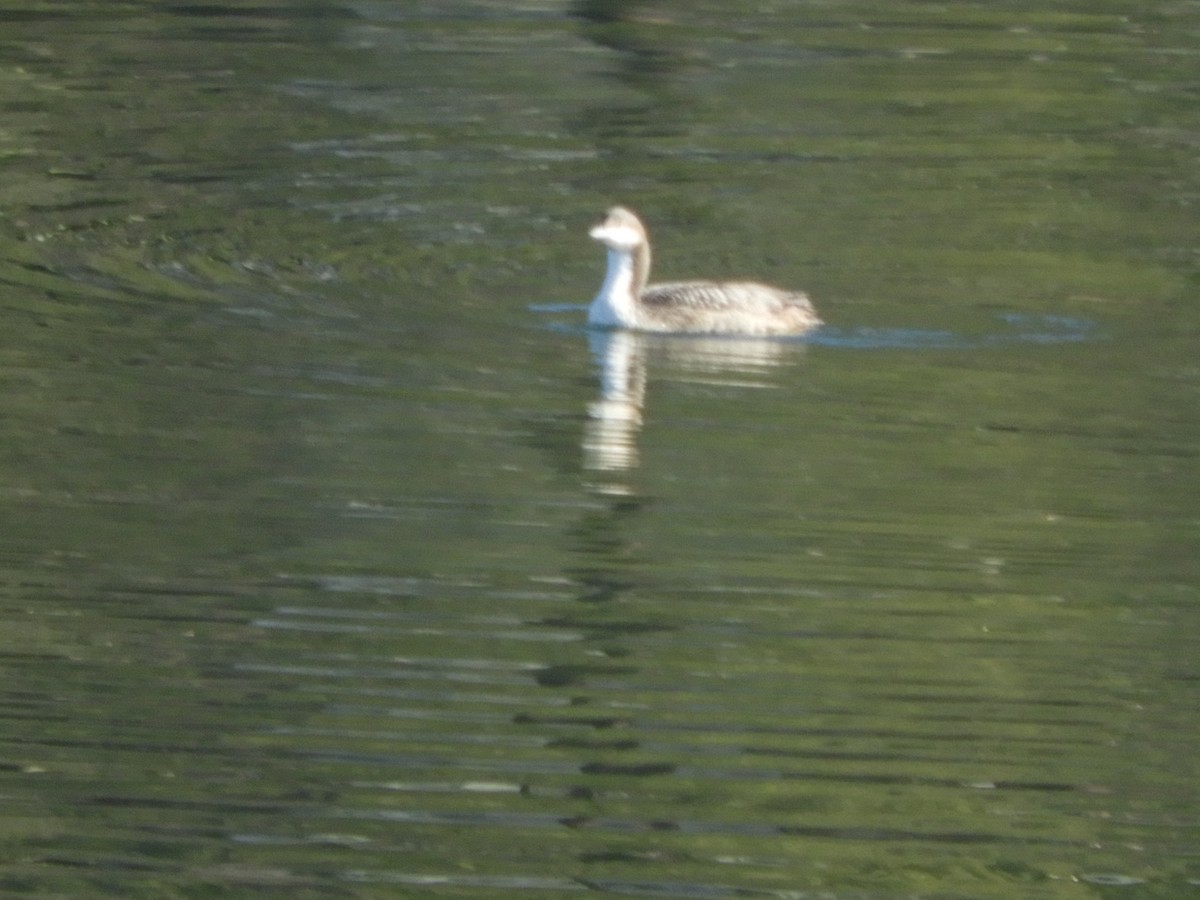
[(709, 306)]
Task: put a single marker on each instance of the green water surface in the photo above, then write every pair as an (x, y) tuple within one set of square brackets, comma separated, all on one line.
[(335, 566)]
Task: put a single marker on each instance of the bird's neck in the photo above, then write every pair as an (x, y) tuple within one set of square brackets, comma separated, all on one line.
[(617, 302)]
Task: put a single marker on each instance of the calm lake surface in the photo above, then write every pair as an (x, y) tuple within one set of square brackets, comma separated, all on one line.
[(341, 560)]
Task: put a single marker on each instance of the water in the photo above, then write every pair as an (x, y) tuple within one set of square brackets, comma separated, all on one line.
[(341, 560)]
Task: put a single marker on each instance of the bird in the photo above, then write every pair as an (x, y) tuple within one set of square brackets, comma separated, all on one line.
[(626, 300)]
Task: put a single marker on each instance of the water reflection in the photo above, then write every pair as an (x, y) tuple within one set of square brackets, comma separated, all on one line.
[(613, 24), (645, 63), (623, 359), (911, 619), (610, 437)]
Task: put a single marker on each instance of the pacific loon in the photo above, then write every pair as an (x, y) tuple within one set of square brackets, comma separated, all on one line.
[(687, 307)]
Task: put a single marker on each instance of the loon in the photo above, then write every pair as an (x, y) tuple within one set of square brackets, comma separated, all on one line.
[(685, 307)]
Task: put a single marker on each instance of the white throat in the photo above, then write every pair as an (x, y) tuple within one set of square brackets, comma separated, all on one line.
[(616, 306)]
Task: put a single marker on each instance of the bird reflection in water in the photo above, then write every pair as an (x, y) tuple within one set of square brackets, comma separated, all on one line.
[(624, 358)]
